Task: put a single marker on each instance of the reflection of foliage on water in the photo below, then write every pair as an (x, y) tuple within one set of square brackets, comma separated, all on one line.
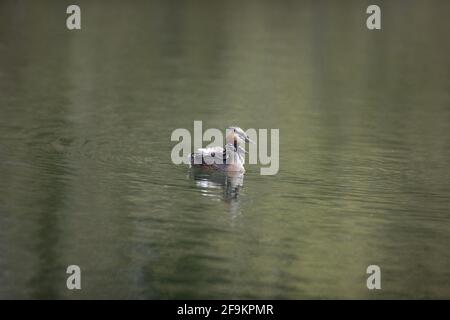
[(364, 151)]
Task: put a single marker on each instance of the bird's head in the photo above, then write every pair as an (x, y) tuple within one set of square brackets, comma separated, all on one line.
[(236, 135)]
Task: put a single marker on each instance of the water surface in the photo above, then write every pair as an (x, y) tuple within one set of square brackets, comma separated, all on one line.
[(85, 170)]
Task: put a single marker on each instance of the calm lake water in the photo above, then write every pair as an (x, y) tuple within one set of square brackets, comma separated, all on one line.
[(86, 176)]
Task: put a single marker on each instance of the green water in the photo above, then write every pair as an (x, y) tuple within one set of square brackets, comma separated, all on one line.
[(86, 176)]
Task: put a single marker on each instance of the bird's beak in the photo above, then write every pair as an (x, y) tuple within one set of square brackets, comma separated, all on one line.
[(242, 149), (247, 139)]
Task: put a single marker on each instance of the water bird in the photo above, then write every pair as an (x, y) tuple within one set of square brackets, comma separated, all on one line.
[(229, 158)]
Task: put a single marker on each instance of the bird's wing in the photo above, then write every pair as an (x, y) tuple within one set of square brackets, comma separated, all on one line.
[(207, 155)]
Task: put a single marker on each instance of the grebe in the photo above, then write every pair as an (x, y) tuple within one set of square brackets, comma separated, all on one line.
[(230, 158)]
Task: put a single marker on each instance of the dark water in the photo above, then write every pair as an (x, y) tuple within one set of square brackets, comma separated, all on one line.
[(85, 170)]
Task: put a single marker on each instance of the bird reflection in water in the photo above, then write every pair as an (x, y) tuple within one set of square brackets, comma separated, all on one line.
[(212, 181)]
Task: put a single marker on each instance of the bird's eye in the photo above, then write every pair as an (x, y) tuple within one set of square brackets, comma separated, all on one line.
[(213, 154)]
